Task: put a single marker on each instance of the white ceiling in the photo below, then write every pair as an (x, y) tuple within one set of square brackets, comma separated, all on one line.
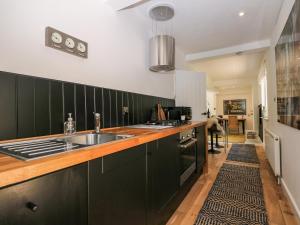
[(202, 25), (230, 67), (214, 32)]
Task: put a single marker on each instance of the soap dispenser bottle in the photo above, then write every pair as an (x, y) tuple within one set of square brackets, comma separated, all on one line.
[(70, 125)]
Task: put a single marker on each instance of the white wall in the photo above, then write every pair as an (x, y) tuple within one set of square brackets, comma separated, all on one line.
[(245, 93), (289, 136), (212, 102), (191, 91), (255, 101), (118, 45)]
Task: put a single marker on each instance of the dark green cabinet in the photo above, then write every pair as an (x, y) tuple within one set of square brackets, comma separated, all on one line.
[(163, 178), (137, 186), (201, 148), (59, 198), (117, 188)]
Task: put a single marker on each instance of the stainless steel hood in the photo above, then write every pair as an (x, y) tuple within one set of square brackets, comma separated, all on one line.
[(162, 53)]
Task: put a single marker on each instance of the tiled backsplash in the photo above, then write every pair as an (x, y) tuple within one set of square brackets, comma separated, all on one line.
[(32, 106)]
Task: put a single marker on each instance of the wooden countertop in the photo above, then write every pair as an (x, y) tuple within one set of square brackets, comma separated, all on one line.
[(13, 170)]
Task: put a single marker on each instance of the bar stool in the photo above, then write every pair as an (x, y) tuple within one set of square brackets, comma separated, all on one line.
[(221, 122), (217, 140), (213, 130)]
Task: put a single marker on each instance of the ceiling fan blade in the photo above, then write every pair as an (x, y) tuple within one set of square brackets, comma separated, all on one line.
[(124, 4)]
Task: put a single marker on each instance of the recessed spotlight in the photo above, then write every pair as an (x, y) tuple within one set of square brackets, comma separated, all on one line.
[(241, 13)]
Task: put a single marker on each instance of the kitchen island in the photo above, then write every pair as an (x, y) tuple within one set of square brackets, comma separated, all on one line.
[(130, 181)]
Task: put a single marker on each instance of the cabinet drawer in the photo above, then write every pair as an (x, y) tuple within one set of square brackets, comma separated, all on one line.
[(59, 198)]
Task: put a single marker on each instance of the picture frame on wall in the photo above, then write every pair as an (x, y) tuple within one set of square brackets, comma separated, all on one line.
[(235, 107), (287, 53)]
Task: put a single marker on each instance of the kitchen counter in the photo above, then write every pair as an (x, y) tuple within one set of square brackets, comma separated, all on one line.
[(13, 170)]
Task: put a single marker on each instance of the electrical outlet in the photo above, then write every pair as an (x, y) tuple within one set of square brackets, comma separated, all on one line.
[(125, 110)]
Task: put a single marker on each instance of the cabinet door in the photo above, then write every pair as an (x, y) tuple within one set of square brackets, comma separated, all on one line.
[(201, 148), (117, 185), (59, 198), (163, 178)]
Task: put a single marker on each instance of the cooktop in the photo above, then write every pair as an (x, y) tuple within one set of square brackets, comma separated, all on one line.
[(160, 124)]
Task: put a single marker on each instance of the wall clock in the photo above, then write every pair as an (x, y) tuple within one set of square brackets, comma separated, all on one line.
[(81, 47), (56, 38), (64, 42), (70, 43)]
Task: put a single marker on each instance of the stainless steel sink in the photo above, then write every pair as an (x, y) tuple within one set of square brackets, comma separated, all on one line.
[(93, 139), (28, 150)]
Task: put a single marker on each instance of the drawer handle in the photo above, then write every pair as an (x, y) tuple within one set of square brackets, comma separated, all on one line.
[(189, 144), (33, 207)]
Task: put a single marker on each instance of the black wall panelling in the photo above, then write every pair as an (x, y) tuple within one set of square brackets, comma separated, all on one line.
[(113, 108), (8, 109), (160, 101), (149, 104), (140, 108), (137, 114), (69, 100), (42, 107), (131, 108), (106, 105), (56, 107), (144, 108), (26, 109), (125, 104), (90, 107), (32, 106), (99, 103), (80, 108), (163, 102), (119, 108)]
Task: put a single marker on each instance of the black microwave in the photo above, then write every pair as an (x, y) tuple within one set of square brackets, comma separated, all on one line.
[(175, 113)]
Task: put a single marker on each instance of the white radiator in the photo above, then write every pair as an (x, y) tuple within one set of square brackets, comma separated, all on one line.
[(272, 144)]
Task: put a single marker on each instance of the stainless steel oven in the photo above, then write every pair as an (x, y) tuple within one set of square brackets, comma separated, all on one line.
[(188, 147)]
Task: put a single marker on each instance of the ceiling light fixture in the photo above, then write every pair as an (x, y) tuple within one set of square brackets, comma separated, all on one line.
[(242, 13)]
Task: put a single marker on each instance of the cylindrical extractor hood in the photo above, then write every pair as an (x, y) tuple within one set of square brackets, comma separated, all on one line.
[(162, 53)]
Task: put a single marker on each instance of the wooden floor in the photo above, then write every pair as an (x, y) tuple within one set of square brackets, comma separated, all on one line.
[(232, 138), (236, 138), (278, 208)]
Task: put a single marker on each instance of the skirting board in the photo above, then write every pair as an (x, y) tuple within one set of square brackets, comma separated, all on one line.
[(290, 198)]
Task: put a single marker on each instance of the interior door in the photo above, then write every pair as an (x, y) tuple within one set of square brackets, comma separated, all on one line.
[(190, 90)]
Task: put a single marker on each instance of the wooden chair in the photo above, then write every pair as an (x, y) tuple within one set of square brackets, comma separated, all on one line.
[(233, 124), (220, 120)]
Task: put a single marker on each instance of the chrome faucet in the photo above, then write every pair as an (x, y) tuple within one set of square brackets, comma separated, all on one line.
[(70, 125), (97, 122)]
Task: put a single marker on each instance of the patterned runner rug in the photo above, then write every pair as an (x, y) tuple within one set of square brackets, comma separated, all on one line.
[(243, 153), (236, 198)]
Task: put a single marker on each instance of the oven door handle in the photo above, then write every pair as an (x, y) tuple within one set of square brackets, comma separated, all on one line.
[(189, 144)]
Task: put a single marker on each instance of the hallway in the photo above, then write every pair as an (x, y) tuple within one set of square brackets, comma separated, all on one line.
[(278, 210)]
